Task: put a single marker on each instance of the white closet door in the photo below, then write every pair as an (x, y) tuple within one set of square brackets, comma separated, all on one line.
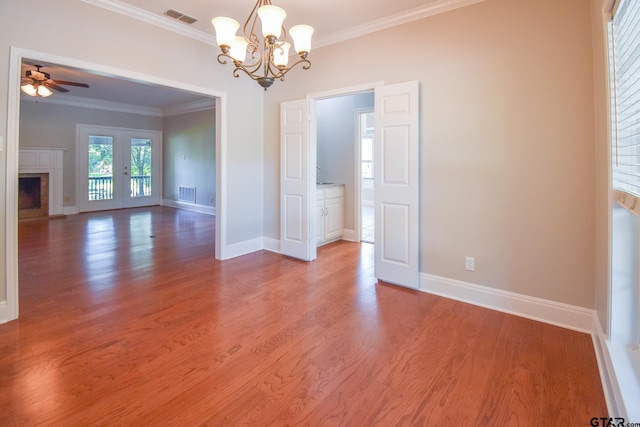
[(295, 234), (397, 184)]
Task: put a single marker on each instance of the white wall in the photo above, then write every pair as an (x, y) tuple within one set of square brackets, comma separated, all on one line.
[(507, 145), (190, 155), (83, 32)]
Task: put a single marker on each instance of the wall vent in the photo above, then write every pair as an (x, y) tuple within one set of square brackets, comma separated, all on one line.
[(172, 13), (187, 194)]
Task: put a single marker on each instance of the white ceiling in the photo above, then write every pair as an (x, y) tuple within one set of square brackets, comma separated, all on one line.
[(110, 89), (333, 20)]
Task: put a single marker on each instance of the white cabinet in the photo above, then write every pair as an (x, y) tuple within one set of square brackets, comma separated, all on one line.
[(329, 213)]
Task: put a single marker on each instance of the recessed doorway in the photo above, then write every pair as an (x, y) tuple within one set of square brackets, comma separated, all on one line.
[(366, 129)]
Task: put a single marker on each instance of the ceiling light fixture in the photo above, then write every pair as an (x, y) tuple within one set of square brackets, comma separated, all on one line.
[(34, 89), (38, 83), (269, 58)]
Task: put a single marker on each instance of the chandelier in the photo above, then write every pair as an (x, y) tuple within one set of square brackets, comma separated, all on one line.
[(267, 60)]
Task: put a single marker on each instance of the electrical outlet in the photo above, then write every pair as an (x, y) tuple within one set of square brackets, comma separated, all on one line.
[(470, 263)]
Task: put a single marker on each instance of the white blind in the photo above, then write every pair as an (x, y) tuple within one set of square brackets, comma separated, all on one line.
[(626, 96)]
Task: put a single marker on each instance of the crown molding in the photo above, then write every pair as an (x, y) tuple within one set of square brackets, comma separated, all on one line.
[(98, 104), (394, 20), (121, 107), (153, 19), (360, 30), (189, 107)]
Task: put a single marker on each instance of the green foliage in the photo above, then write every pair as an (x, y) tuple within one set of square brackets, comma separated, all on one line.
[(140, 160), (100, 157)]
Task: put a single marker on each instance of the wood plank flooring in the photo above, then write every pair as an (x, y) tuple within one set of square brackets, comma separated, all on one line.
[(127, 319)]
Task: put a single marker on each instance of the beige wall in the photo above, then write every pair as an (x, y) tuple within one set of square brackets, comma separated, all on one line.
[(507, 139), (83, 32)]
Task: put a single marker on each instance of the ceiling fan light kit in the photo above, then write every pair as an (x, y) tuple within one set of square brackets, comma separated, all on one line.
[(269, 58), (39, 83)]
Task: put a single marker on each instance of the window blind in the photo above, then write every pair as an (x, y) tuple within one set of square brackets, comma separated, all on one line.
[(625, 46)]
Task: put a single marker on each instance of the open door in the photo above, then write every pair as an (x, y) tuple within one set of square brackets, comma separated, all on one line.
[(396, 180), (295, 182)]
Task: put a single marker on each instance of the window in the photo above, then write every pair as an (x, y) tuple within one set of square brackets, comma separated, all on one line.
[(624, 338), (625, 94), (366, 144)]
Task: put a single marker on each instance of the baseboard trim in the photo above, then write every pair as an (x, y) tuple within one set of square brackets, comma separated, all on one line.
[(209, 210), (349, 235), (555, 313), (244, 248), (4, 312), (271, 245), (70, 210), (610, 386)]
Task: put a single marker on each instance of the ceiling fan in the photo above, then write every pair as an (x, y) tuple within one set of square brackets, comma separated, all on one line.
[(36, 82)]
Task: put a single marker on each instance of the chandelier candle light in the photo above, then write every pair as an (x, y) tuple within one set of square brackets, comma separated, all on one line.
[(269, 59)]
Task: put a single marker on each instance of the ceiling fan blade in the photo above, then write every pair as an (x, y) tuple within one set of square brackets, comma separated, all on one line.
[(62, 82), (52, 85)]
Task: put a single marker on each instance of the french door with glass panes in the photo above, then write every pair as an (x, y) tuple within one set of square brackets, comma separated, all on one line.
[(117, 168)]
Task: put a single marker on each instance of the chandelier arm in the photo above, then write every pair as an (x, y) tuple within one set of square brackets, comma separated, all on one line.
[(268, 52), (221, 58), (283, 71), (254, 14), (249, 69), (239, 67)]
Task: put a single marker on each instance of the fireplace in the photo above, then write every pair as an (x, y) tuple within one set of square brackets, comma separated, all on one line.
[(45, 165), (33, 195)]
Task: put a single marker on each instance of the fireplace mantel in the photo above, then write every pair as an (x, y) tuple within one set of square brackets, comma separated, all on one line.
[(45, 160)]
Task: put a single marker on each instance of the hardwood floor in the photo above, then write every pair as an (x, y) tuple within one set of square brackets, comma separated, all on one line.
[(127, 319)]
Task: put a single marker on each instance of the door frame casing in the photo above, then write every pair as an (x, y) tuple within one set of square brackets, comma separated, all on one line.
[(10, 310)]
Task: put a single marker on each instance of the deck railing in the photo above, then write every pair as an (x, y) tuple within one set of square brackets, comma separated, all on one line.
[(101, 187)]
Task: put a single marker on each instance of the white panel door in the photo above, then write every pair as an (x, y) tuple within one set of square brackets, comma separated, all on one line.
[(142, 171), (117, 168), (396, 180), (296, 238)]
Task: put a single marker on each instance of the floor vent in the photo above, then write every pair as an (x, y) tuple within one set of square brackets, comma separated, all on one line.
[(187, 194), (180, 16)]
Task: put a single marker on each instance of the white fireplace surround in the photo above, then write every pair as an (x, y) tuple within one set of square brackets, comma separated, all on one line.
[(45, 160)]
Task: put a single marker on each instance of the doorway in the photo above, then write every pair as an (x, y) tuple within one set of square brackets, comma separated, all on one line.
[(396, 177), (117, 168), (366, 129), (17, 56), (340, 126)]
